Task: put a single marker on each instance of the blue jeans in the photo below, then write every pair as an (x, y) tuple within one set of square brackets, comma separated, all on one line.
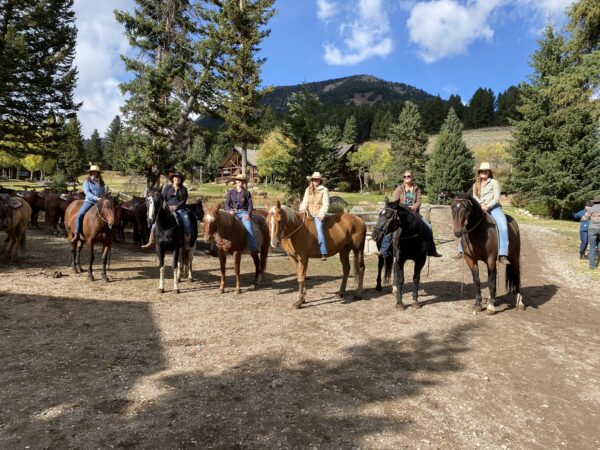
[(320, 235), (249, 230), (500, 219), (386, 245), (185, 220), (594, 236), (84, 208), (386, 241), (583, 236)]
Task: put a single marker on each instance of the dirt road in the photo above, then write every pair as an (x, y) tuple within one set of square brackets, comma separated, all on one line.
[(117, 365)]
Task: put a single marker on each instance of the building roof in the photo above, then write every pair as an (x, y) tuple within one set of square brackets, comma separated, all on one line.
[(343, 149), (250, 153)]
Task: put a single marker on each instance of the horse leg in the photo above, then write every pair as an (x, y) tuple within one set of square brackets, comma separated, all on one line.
[(161, 265), (399, 283), (476, 282), (256, 260), (264, 253), (79, 246), (492, 274), (105, 252), (416, 280), (359, 271), (301, 266), (237, 259), (222, 261), (90, 244), (189, 259), (345, 260), (176, 270), (380, 264)]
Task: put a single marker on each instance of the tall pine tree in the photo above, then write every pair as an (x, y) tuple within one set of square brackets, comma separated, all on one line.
[(451, 166), (71, 159), (93, 148), (480, 111), (113, 143), (350, 135)]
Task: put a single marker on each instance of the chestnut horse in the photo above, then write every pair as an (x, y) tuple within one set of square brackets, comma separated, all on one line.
[(229, 235), (55, 206), (298, 237), (97, 227), (479, 237), (36, 200), (14, 221)]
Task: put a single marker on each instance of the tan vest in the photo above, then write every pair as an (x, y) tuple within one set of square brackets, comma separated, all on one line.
[(316, 203)]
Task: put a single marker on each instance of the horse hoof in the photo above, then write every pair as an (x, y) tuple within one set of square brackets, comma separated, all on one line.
[(416, 305), (356, 298), (90, 278), (490, 310), (400, 306), (339, 296), (238, 291), (191, 280), (477, 309), (297, 305), (105, 279), (221, 290), (177, 291), (521, 308), (160, 291), (394, 289), (379, 288)]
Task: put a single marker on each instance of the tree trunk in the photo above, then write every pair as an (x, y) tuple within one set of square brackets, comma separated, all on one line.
[(152, 180), (244, 158), (360, 182)]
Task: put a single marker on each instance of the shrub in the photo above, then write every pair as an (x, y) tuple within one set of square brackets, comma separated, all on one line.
[(539, 207), (343, 186)]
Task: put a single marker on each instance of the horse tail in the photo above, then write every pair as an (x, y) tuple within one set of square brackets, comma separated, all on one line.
[(389, 260), (23, 243), (513, 277)]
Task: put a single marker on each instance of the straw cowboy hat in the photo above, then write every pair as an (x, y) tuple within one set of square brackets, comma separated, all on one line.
[(596, 199), (94, 168), (485, 166), (177, 173), (240, 177), (316, 176)]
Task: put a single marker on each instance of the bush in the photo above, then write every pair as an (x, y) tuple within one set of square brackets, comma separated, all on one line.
[(58, 182), (343, 186), (539, 207)]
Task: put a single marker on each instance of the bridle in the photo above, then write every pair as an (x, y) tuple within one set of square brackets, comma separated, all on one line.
[(393, 217), (98, 213), (464, 229)]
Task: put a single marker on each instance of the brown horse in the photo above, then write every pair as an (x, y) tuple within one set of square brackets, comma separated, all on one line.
[(229, 235), (479, 237), (97, 227), (298, 237), (55, 206), (36, 201), (14, 221)]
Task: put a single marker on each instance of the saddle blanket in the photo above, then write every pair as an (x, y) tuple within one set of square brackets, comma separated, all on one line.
[(13, 202)]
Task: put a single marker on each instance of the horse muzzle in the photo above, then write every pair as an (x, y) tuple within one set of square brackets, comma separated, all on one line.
[(458, 234)]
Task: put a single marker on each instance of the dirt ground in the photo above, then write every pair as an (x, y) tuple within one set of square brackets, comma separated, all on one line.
[(94, 365)]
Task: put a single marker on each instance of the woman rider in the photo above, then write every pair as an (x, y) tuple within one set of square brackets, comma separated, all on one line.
[(94, 190), (486, 190), (238, 203), (409, 194), (316, 200)]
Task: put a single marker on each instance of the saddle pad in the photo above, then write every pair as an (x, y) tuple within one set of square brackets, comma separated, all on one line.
[(64, 196), (13, 202)]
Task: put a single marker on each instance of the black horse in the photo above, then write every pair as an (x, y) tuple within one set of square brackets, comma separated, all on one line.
[(169, 238), (409, 242)]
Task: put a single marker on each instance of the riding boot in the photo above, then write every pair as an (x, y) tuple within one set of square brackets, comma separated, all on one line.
[(582, 256), (151, 241), (457, 256), (75, 238), (254, 253), (323, 257), (503, 259)]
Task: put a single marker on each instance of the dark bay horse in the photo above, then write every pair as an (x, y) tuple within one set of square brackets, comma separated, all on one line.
[(409, 241), (37, 202), (297, 234), (14, 217), (479, 237), (134, 211), (229, 235), (169, 238), (55, 206), (97, 227)]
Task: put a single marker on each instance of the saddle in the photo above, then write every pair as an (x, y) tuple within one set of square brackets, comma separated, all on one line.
[(11, 202)]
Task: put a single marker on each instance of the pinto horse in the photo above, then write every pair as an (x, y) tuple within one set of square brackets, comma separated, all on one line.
[(297, 234), (229, 235), (479, 237), (409, 240), (169, 238), (97, 227), (14, 221)]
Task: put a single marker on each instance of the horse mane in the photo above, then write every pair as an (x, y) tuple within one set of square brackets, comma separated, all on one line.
[(474, 202), (292, 215)]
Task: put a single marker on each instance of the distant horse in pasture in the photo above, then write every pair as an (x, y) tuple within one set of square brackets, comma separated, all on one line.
[(169, 238), (229, 235), (14, 217), (296, 232), (479, 237), (98, 225)]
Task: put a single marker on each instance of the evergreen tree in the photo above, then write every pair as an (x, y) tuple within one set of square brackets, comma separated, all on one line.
[(241, 30), (450, 168), (112, 136), (480, 112), (433, 113), (93, 148), (328, 163), (508, 106), (408, 144), (302, 126), (350, 135), (71, 159), (456, 102), (268, 119), (37, 77)]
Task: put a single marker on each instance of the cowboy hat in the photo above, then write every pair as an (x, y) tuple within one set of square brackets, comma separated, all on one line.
[(94, 168), (484, 166), (177, 173), (316, 176), (596, 199), (240, 177)]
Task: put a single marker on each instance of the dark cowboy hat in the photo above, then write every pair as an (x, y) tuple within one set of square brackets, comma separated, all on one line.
[(177, 173)]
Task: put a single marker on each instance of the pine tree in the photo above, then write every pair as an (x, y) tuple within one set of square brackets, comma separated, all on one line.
[(454, 101), (480, 111), (450, 168), (433, 113), (328, 163), (409, 144), (508, 106), (93, 148), (37, 77), (113, 133), (71, 159), (241, 30), (350, 135)]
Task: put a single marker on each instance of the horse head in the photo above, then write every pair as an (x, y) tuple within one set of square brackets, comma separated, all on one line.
[(462, 209), (387, 222), (275, 221), (210, 222), (107, 209), (153, 203)]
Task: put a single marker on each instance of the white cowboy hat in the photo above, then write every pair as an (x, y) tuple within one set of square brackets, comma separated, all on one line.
[(316, 176), (240, 177), (485, 166), (94, 168)]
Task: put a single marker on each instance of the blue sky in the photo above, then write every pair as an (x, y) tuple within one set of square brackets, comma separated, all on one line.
[(442, 46)]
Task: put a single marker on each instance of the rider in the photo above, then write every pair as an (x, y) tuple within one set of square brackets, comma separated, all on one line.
[(94, 190), (238, 203), (409, 194), (486, 190), (176, 195), (316, 200)]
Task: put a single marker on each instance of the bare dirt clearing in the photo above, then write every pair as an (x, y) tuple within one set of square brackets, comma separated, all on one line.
[(94, 365)]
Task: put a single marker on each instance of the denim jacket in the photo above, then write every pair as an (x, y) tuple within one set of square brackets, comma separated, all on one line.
[(93, 191)]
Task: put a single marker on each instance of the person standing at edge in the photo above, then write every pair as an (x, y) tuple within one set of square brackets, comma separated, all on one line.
[(316, 201), (593, 215)]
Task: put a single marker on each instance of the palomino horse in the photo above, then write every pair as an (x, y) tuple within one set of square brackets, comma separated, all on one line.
[(229, 235), (479, 237), (169, 238), (409, 242), (97, 227), (14, 221), (298, 237)]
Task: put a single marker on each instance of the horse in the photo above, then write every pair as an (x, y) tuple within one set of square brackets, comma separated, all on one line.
[(97, 227), (169, 238), (14, 221), (297, 235), (409, 241), (479, 237), (55, 206), (135, 212), (229, 235), (36, 201)]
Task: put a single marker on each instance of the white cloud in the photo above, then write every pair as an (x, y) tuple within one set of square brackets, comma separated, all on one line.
[(326, 9), (365, 36), (546, 8), (100, 42)]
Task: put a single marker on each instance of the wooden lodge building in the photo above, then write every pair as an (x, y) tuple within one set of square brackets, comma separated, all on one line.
[(231, 165)]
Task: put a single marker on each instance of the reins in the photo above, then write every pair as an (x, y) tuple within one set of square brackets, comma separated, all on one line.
[(296, 230)]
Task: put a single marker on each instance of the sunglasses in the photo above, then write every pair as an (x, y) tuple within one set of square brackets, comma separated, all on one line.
[(407, 176)]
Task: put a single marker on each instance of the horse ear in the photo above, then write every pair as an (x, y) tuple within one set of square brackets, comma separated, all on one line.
[(278, 204), (218, 207), (386, 199)]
